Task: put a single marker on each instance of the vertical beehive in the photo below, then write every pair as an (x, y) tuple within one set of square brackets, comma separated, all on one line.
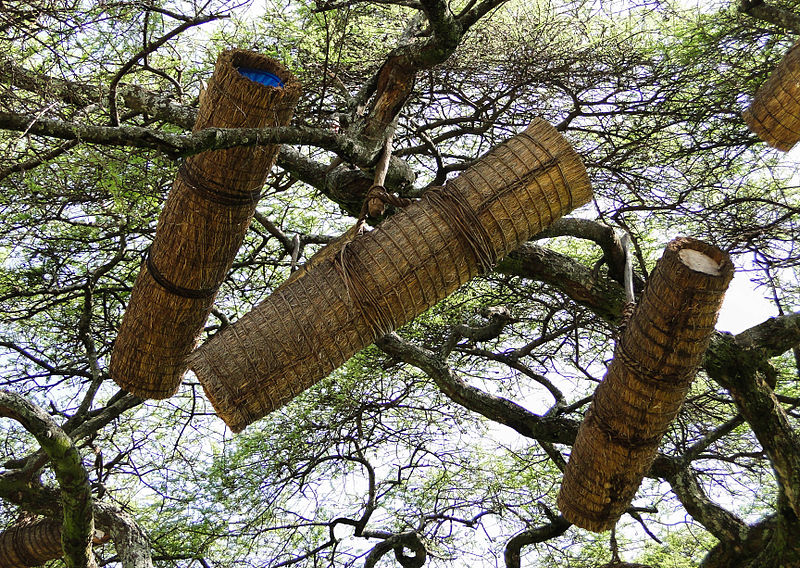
[(202, 225), (655, 361), (386, 277)]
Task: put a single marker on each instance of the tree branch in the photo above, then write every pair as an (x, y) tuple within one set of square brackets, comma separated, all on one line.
[(602, 235), (131, 542), (723, 524), (772, 337), (771, 14), (76, 493), (746, 373), (556, 527), (498, 409), (397, 542), (603, 296), (183, 145), (472, 15)]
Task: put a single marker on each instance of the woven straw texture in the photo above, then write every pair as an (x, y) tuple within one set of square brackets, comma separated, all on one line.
[(386, 277), (774, 114), (30, 543), (654, 364), (200, 229)]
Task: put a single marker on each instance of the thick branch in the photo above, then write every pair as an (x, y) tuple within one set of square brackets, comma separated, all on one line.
[(477, 11), (603, 235), (76, 494), (724, 525), (774, 336), (498, 319), (182, 145), (771, 543), (131, 542), (83, 95), (397, 542), (496, 408), (556, 527), (771, 14), (746, 373), (603, 296)]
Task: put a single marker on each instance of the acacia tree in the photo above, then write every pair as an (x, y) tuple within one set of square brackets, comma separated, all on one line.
[(444, 443)]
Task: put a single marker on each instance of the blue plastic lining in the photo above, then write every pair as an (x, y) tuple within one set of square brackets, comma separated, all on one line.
[(260, 76)]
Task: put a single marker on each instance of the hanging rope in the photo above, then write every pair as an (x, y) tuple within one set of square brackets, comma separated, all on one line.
[(377, 316)]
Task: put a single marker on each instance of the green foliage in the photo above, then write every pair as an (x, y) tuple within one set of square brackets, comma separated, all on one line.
[(650, 94)]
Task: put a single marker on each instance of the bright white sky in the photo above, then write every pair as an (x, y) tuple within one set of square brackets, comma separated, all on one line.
[(744, 306)]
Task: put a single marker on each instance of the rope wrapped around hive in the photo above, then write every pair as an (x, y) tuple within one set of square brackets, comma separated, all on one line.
[(384, 278), (655, 361), (202, 225), (774, 114)]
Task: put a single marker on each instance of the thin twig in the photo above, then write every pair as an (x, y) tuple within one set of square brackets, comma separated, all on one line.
[(112, 89)]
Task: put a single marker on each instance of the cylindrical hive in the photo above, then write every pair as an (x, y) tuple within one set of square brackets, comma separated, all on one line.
[(34, 542), (655, 361), (386, 277), (202, 226), (774, 114), (30, 543)]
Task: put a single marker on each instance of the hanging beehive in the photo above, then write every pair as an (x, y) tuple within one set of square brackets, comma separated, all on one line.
[(655, 361), (202, 225), (774, 114), (32, 542), (386, 277)]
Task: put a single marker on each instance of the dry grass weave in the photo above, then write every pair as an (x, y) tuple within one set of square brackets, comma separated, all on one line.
[(30, 543), (655, 361), (384, 278), (774, 114), (200, 229)]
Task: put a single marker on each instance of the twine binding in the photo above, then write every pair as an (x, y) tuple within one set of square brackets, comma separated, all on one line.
[(655, 360), (383, 278), (174, 288), (200, 228), (215, 192)]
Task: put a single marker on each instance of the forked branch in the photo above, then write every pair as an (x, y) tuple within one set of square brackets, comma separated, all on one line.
[(76, 494)]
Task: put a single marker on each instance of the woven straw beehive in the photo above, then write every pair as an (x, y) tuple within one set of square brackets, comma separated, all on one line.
[(386, 277), (774, 114), (655, 361), (30, 543), (200, 229)]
